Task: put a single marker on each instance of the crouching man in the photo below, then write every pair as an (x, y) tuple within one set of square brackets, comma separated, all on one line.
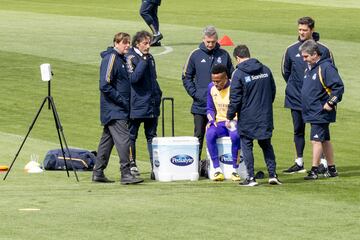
[(217, 106)]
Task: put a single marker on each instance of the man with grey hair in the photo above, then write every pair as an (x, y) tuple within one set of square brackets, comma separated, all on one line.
[(197, 76), (322, 89)]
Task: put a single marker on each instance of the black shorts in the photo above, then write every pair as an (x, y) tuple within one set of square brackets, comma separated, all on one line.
[(320, 132)]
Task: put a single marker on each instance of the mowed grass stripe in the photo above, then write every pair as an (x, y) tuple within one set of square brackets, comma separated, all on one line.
[(258, 16), (176, 210), (323, 3), (72, 32), (68, 80)]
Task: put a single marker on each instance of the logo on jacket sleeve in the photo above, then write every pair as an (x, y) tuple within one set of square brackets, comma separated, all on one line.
[(203, 61), (298, 55)]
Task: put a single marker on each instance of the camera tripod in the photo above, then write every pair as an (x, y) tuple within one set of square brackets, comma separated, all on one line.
[(59, 130)]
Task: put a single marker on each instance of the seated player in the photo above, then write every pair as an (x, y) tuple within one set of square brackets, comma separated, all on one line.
[(217, 106)]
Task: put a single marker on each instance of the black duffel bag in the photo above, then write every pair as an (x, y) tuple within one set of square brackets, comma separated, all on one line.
[(80, 159)]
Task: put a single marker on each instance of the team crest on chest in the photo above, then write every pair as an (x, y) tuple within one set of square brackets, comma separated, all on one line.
[(314, 76), (219, 60)]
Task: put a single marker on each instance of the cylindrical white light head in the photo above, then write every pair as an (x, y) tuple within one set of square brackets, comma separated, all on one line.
[(45, 70)]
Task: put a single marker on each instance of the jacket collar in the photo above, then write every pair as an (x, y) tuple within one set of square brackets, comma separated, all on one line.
[(138, 52)]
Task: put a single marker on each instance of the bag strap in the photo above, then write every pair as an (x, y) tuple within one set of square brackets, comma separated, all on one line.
[(328, 90)]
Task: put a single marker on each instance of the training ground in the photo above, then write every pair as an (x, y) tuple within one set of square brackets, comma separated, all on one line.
[(70, 35)]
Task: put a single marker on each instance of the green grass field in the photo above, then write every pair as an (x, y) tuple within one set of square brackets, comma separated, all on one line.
[(70, 35)]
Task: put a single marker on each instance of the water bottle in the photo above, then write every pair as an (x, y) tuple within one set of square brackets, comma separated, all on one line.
[(232, 125)]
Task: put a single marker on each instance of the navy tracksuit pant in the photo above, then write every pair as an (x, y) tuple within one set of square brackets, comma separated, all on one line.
[(149, 12), (114, 133), (268, 152)]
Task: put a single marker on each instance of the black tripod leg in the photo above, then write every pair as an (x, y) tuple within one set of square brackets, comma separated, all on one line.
[(22, 144), (61, 136)]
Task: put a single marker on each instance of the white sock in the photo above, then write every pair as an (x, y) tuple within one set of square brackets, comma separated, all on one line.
[(218, 169), (235, 170), (299, 161), (324, 162)]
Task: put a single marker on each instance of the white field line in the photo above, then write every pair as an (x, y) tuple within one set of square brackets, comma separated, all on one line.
[(20, 137), (167, 50)]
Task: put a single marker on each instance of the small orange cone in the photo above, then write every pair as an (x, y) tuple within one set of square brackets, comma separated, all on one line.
[(226, 41), (3, 168)]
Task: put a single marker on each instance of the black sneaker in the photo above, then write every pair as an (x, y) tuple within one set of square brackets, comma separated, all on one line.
[(135, 171), (331, 172), (322, 169), (312, 175), (156, 44), (156, 39), (101, 179), (274, 180), (294, 169), (249, 182), (127, 178)]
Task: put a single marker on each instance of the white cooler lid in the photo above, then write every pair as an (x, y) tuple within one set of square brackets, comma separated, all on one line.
[(175, 141)]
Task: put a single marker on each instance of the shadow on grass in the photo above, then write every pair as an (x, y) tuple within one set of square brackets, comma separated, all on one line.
[(349, 171)]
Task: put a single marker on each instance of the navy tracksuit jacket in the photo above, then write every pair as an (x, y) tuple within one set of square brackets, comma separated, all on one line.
[(114, 87), (252, 94), (197, 73), (145, 90), (293, 67), (322, 84)]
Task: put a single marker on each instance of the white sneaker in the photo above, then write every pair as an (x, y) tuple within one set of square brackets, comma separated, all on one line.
[(249, 182)]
